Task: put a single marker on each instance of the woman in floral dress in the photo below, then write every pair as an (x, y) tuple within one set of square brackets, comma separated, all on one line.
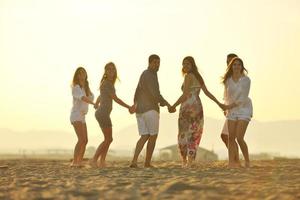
[(191, 121)]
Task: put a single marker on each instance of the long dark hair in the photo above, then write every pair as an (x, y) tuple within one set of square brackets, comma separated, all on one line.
[(86, 83), (104, 76), (229, 72), (194, 69), (229, 57)]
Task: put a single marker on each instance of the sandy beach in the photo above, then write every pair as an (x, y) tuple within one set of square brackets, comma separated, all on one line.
[(54, 179)]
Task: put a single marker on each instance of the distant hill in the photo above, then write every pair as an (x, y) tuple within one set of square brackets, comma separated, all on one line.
[(275, 137)]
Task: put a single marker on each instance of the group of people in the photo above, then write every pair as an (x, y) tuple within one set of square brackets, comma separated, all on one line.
[(237, 108)]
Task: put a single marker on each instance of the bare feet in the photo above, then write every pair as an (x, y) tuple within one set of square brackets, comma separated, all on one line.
[(149, 166), (190, 162), (234, 165), (184, 164), (190, 165), (238, 164), (133, 165), (75, 165), (93, 163), (247, 164), (102, 165)]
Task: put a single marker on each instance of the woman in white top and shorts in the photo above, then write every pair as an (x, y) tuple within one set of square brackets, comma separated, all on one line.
[(82, 96), (239, 114), (224, 133)]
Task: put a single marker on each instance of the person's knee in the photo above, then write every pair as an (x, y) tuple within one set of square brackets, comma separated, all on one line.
[(144, 137), (224, 137), (153, 137), (240, 140), (231, 138), (108, 140), (83, 141)]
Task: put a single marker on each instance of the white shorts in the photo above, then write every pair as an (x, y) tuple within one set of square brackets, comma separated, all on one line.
[(225, 128), (234, 117), (148, 122), (77, 117)]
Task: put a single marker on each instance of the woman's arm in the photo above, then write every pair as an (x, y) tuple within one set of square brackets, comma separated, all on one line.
[(87, 100), (97, 102), (230, 106), (211, 96), (78, 94), (119, 101), (186, 92)]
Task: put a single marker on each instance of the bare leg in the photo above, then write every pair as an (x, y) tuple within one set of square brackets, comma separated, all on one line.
[(84, 143), (226, 141), (240, 131), (224, 138), (184, 160), (93, 161), (232, 146), (190, 161), (150, 148), (139, 146), (80, 129), (107, 141), (236, 157), (102, 149)]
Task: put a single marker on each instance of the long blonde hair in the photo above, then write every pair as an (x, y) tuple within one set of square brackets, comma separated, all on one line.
[(77, 82), (104, 76), (229, 72)]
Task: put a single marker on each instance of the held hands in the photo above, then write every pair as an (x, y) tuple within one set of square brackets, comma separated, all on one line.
[(132, 109), (171, 109), (229, 106), (223, 106), (96, 106)]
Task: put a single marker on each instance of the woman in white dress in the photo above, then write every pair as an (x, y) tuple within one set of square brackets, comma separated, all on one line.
[(82, 96), (239, 114)]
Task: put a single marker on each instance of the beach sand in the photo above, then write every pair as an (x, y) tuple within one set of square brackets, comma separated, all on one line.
[(54, 179)]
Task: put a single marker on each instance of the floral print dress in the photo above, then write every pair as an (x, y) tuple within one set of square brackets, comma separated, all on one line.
[(190, 124)]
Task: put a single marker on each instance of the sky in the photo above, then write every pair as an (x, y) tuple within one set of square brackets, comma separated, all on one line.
[(42, 42)]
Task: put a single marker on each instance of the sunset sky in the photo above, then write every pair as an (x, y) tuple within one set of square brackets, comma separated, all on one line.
[(42, 42)]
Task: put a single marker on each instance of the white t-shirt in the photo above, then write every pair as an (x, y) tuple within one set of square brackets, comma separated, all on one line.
[(78, 104), (237, 92)]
